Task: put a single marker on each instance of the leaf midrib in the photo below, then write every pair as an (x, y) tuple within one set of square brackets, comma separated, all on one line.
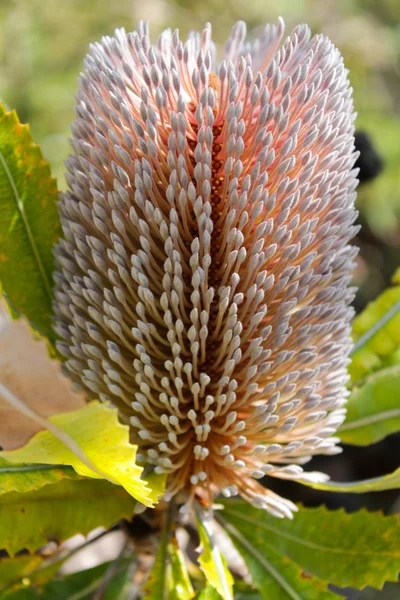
[(32, 468), (262, 560), (362, 486), (118, 493), (376, 327), (29, 233), (308, 544), (364, 421)]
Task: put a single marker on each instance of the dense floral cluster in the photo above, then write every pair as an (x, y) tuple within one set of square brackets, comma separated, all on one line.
[(203, 278)]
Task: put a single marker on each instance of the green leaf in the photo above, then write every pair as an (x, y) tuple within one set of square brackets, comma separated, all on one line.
[(376, 333), (180, 587), (354, 550), (17, 568), (244, 591), (391, 481), (104, 440), (29, 224), (373, 410), (157, 585), (26, 478), (209, 593), (390, 591), (211, 561), (42, 568), (78, 586), (37, 569), (276, 576), (156, 485), (168, 579), (59, 511)]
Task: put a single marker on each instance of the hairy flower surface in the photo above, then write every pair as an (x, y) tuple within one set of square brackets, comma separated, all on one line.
[(202, 284)]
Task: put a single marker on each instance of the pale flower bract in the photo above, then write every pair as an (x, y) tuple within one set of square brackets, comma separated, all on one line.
[(203, 278)]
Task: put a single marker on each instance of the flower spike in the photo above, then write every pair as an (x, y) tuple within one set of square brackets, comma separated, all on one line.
[(203, 278)]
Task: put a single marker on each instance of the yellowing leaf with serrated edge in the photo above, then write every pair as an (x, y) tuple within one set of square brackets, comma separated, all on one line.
[(212, 562), (59, 511), (156, 484), (104, 440)]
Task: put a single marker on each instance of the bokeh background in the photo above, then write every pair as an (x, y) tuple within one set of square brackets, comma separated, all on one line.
[(42, 45), (43, 42)]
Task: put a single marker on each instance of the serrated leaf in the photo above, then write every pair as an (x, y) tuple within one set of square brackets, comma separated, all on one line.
[(156, 485), (376, 333), (26, 478), (390, 591), (276, 576), (59, 511), (79, 586), (211, 561), (373, 410), (29, 224), (354, 550), (104, 440)]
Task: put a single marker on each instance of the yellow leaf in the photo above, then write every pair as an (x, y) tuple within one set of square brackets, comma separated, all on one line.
[(212, 562), (104, 440)]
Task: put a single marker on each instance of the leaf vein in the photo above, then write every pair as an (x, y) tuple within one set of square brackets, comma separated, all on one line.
[(261, 559), (363, 421), (31, 239), (303, 542), (376, 327)]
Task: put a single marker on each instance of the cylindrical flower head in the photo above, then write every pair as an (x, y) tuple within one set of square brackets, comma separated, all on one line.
[(202, 284)]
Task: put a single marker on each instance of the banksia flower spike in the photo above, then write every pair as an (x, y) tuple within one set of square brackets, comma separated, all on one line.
[(203, 277)]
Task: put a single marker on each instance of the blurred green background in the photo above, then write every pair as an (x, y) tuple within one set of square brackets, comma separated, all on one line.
[(43, 43), (42, 46)]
